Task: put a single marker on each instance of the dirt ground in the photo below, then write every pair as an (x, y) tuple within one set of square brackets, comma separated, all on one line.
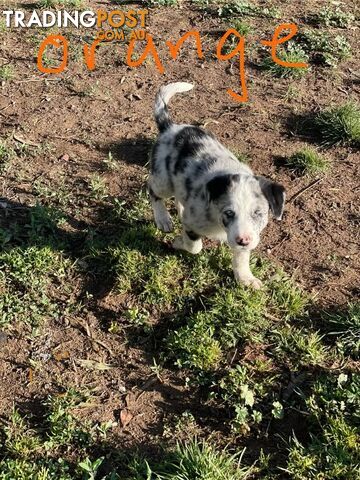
[(77, 117)]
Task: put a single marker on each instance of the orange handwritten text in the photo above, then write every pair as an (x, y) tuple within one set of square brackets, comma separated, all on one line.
[(150, 49), (277, 40), (56, 41)]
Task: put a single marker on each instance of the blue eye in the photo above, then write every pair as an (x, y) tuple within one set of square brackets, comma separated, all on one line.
[(229, 213)]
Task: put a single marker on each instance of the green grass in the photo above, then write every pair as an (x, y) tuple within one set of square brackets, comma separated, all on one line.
[(308, 161), (6, 73), (233, 346), (292, 54), (200, 460), (298, 346), (339, 124), (344, 327), (334, 18)]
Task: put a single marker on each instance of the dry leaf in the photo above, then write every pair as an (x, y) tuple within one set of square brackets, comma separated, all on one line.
[(58, 356), (93, 364), (125, 417)]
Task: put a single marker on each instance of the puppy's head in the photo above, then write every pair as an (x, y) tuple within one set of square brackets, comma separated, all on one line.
[(241, 204)]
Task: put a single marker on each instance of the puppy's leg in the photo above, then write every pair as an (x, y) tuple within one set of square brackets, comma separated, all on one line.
[(188, 241), (242, 272), (161, 215)]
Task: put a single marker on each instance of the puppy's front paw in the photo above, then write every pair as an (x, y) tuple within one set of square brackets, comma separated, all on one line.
[(191, 247), (249, 281), (178, 243), (164, 223)]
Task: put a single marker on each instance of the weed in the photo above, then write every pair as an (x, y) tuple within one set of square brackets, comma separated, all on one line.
[(324, 49), (98, 188), (160, 3), (2, 25), (308, 161), (6, 73), (110, 163), (204, 353), (339, 125), (333, 450), (242, 8), (242, 27), (292, 54), (334, 18), (59, 195)]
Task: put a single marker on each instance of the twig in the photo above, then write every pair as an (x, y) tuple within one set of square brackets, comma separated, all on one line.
[(303, 190), (39, 80)]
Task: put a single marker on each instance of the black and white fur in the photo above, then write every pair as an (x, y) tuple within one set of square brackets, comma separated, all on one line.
[(216, 196)]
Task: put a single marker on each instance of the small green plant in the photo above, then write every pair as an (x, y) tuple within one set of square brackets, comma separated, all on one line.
[(334, 18), (242, 27), (204, 353), (333, 450), (323, 48), (2, 25), (47, 4), (308, 161), (339, 125), (242, 8), (110, 163), (98, 187), (292, 54), (6, 73)]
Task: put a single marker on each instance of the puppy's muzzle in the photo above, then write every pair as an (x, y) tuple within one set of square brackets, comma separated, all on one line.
[(243, 240)]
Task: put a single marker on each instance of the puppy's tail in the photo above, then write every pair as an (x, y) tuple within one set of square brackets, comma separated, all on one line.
[(162, 116)]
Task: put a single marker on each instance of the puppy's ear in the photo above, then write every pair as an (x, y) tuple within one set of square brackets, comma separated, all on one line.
[(219, 185), (275, 195)]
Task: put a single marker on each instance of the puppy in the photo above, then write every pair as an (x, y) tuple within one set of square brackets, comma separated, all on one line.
[(216, 196)]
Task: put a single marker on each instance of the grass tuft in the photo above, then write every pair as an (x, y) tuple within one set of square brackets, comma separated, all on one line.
[(200, 460), (292, 54), (345, 327), (339, 125), (308, 161)]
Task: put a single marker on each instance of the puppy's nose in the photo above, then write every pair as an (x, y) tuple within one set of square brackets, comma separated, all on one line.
[(243, 240)]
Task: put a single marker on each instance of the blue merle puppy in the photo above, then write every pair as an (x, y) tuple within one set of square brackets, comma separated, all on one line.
[(216, 196)]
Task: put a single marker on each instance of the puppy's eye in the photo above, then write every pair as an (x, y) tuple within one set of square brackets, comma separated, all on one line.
[(229, 213), (258, 213)]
